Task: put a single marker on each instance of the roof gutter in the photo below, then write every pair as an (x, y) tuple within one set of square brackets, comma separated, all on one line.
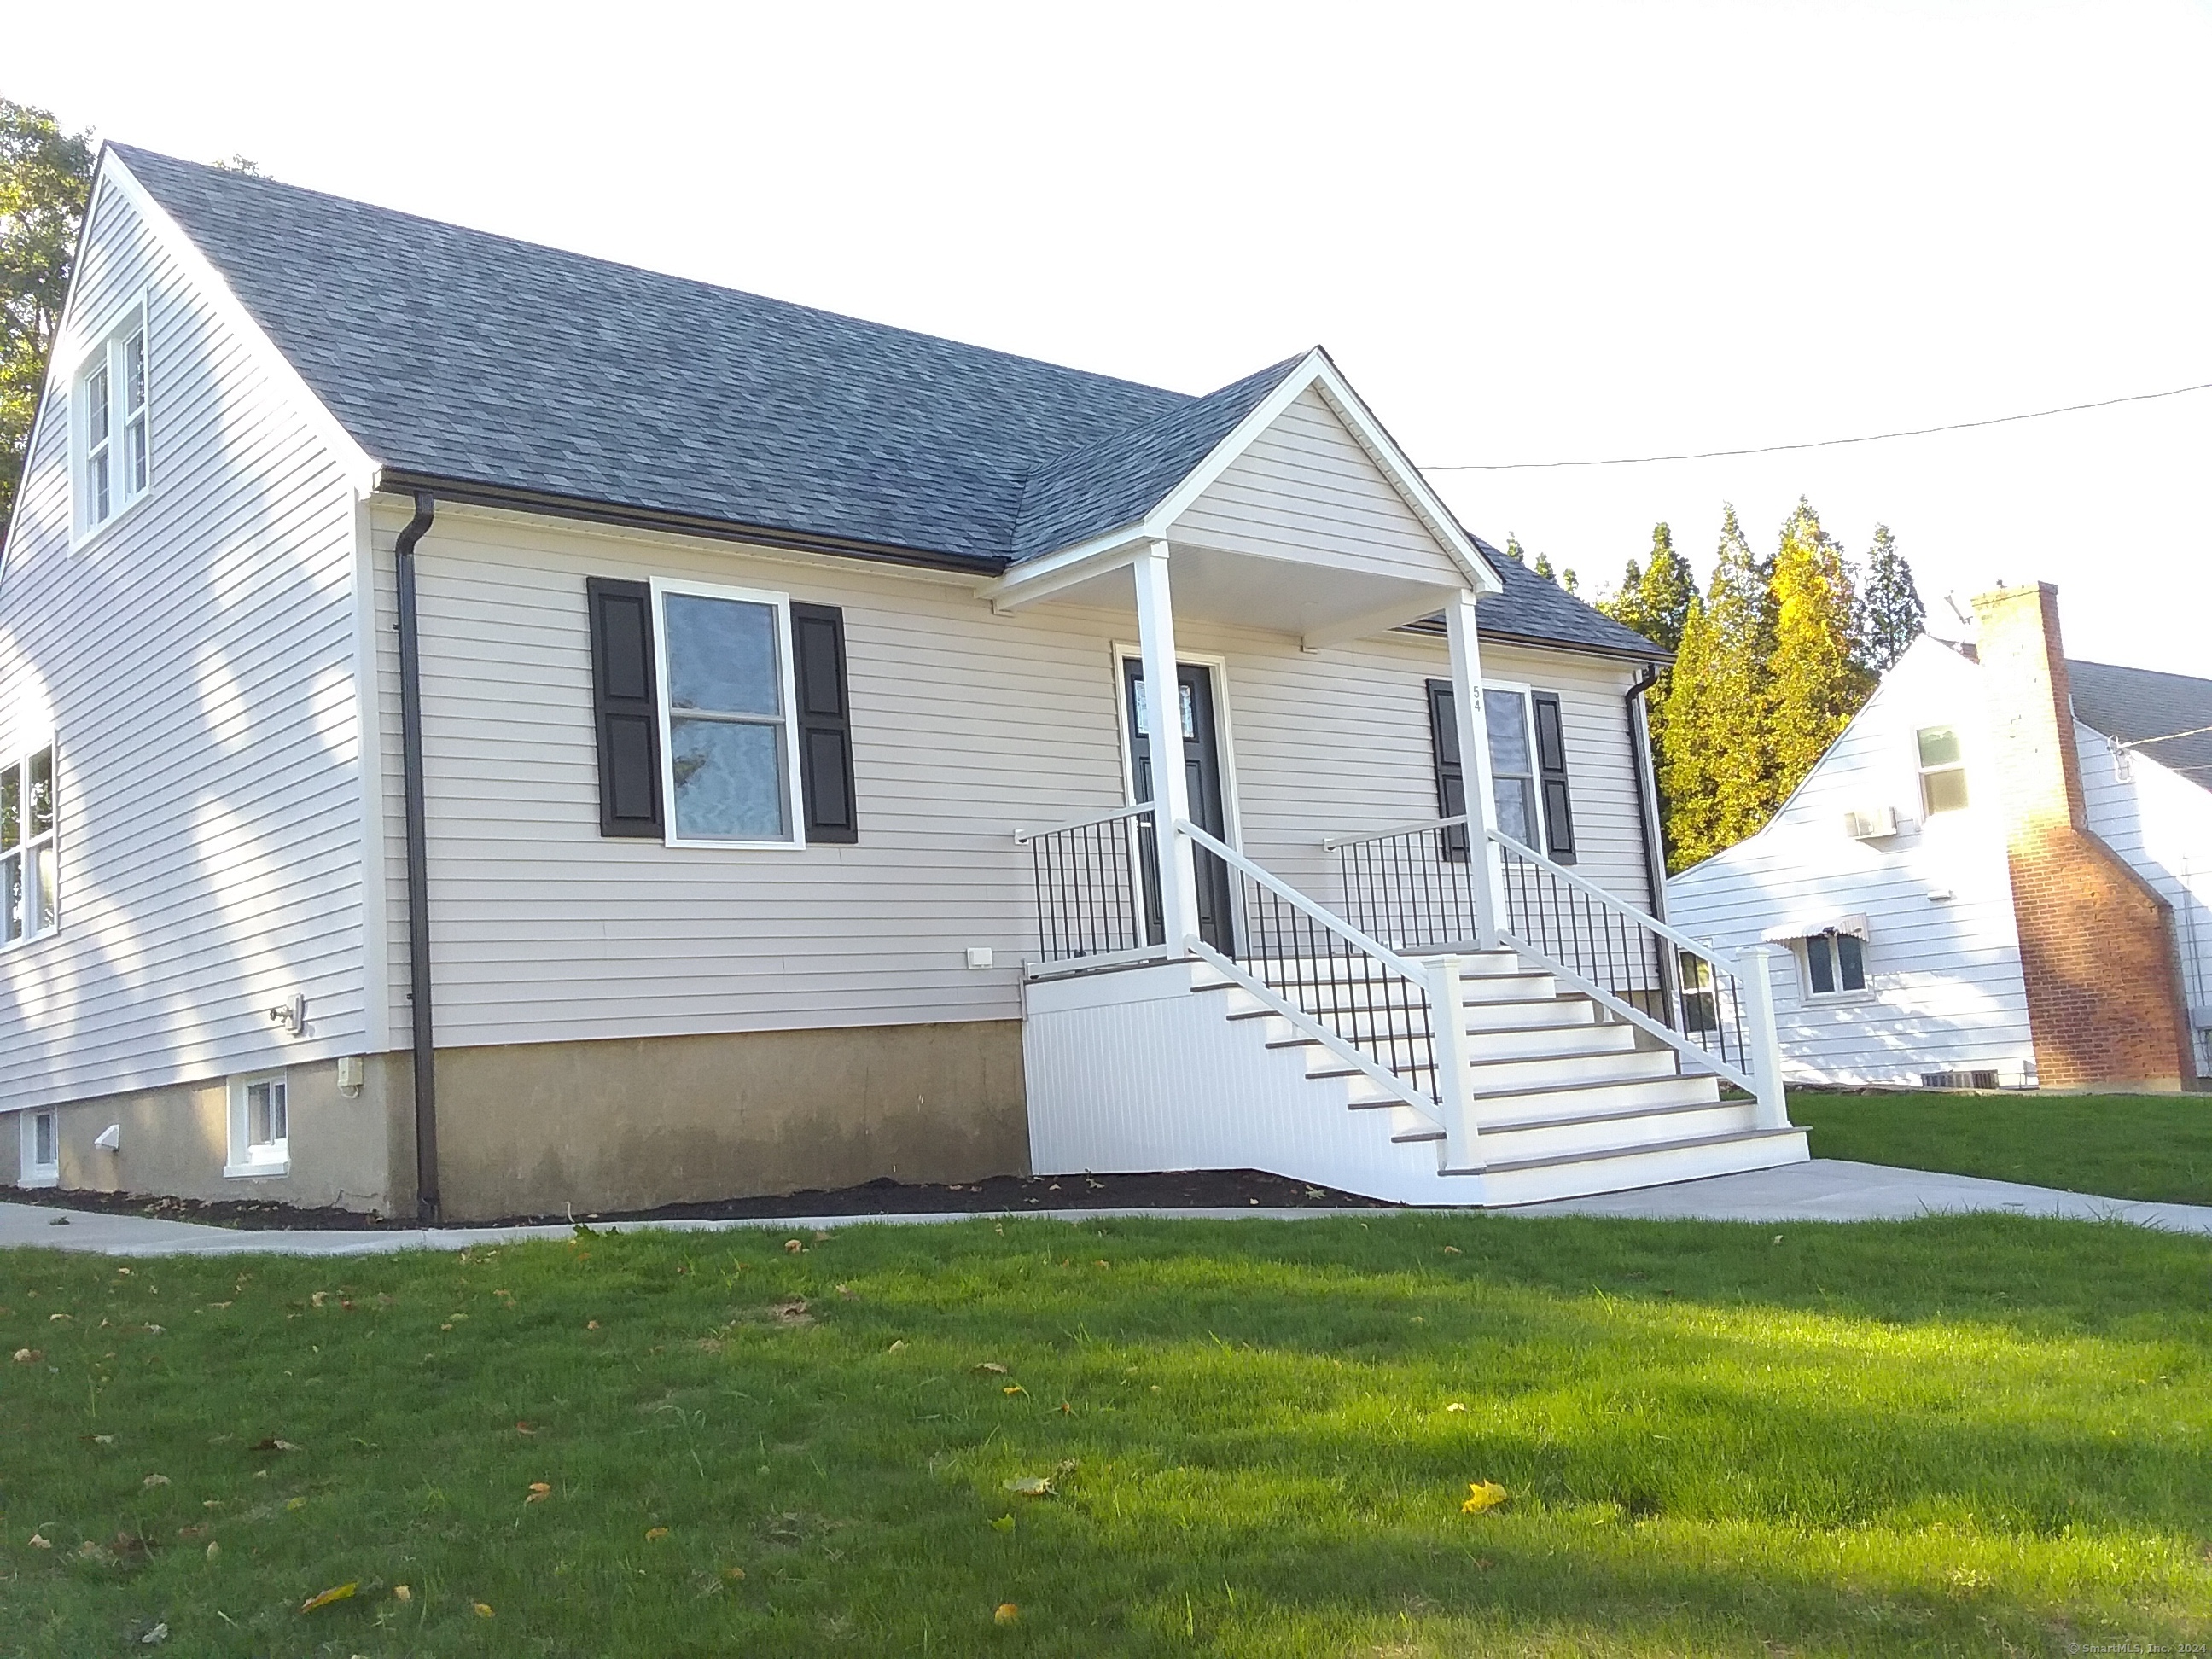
[(418, 865), (470, 493)]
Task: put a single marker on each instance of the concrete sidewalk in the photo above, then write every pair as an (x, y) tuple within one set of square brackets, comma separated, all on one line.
[(1826, 1189)]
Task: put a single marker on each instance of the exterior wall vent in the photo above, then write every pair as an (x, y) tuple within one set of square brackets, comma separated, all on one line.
[(1872, 824), (1958, 1079)]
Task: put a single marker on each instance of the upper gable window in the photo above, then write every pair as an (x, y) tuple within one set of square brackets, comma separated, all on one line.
[(1942, 771), (113, 447)]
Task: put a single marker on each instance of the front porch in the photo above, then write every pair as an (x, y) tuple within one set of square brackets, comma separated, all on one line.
[(1440, 1014)]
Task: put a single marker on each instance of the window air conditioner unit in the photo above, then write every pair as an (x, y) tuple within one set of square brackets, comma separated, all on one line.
[(1872, 824)]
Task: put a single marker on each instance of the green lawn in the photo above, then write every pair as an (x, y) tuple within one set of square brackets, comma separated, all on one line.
[(1977, 1434), (2149, 1146)]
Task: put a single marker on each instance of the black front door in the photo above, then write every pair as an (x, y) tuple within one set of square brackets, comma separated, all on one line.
[(1201, 760)]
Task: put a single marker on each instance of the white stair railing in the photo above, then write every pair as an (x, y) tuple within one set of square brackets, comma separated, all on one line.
[(1398, 1022), (1418, 887)]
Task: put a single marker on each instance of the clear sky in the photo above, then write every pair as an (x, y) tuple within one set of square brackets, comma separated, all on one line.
[(1526, 232)]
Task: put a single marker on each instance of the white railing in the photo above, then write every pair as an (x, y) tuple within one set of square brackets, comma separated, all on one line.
[(1397, 1022), (1417, 887)]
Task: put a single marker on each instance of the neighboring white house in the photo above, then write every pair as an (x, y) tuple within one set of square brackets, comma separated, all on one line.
[(1889, 875), (484, 730)]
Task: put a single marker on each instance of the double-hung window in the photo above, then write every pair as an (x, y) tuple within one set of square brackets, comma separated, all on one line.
[(260, 1136), (114, 433), (1942, 770), (731, 746), (1512, 765), (1835, 963), (30, 902)]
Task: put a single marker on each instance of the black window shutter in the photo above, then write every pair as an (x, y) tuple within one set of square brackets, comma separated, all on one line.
[(825, 723), (625, 706), (1452, 778), (1552, 774)]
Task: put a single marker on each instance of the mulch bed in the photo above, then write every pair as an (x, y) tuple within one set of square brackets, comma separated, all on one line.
[(1186, 1189)]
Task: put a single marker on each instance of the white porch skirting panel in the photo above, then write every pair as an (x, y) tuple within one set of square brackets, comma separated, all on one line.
[(1131, 1071)]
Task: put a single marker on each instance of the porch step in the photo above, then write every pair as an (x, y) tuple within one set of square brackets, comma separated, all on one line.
[(1538, 1180), (1596, 1134)]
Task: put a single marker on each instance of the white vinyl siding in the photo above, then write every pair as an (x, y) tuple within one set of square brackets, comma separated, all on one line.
[(1306, 490), (1944, 991), (966, 725), (197, 660)]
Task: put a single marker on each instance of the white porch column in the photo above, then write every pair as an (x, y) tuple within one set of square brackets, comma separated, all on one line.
[(1177, 874), (1474, 762)]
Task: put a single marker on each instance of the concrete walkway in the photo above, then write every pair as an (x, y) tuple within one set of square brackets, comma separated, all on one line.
[(1826, 1189)]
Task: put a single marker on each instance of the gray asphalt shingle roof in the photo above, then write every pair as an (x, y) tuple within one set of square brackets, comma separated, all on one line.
[(470, 358), (2132, 705)]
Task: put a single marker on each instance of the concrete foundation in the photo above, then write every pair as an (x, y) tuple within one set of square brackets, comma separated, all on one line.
[(540, 1128)]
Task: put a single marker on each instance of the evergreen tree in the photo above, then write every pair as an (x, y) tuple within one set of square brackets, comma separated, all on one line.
[(1719, 768), (1890, 612), (1816, 682)]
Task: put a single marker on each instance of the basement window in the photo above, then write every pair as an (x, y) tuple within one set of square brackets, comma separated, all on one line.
[(1942, 770), (30, 904), (260, 1139), (41, 1163), (112, 424)]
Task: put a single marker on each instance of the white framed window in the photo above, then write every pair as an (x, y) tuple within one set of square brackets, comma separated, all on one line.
[(41, 1158), (1942, 770), (1835, 964), (728, 716), (30, 895), (1506, 711), (111, 397), (260, 1137)]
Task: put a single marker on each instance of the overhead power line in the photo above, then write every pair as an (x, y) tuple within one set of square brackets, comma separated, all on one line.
[(1823, 443)]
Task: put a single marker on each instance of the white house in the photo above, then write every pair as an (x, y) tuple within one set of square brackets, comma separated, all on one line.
[(486, 729), (1988, 795)]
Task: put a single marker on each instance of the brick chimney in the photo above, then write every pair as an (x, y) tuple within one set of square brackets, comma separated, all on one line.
[(2096, 940)]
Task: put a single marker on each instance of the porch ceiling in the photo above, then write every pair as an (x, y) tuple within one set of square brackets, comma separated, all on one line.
[(1319, 603)]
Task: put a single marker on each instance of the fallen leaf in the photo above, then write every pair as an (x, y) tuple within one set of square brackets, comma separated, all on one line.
[(733, 1573), (1007, 1613), (1013, 1388), (1030, 1486), (539, 1492), (54, 1318), (295, 1503), (483, 1609), (994, 1367), (821, 1238), (336, 1593), (792, 1247), (654, 1534), (1456, 1407), (897, 1346), (1066, 1409), (526, 1428), (1004, 1523), (274, 1445), (1483, 1495), (155, 1481), (319, 1297), (591, 1324), (214, 1550), (793, 1312), (1102, 1264), (199, 1531), (159, 1633), (30, 1356), (103, 1440), (39, 1541), (210, 1503), (1451, 1249), (401, 1593), (157, 1330), (848, 1292)]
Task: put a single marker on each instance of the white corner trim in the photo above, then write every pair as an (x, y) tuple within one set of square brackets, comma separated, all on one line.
[(360, 469)]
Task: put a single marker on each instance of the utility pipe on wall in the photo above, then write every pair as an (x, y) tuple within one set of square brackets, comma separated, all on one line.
[(418, 861)]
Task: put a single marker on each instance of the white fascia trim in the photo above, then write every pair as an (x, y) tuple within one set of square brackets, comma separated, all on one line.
[(1040, 578), (360, 469), (1316, 370)]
